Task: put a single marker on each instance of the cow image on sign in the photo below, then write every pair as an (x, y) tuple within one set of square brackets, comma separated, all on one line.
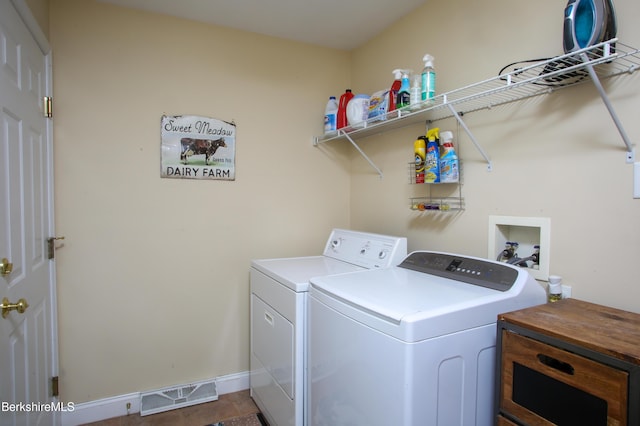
[(192, 146), (197, 148)]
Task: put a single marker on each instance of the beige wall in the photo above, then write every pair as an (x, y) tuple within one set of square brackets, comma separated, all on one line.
[(153, 278), (40, 11), (559, 156), (153, 275)]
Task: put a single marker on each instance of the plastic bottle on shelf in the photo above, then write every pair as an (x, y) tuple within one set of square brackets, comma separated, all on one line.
[(428, 78), (414, 99), (342, 109), (432, 159), (420, 150), (395, 88), (358, 111), (331, 116), (555, 288), (378, 105), (404, 96), (449, 165)]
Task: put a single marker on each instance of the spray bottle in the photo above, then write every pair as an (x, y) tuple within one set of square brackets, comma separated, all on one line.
[(415, 92), (428, 78), (432, 160), (404, 95), (395, 89), (449, 165)]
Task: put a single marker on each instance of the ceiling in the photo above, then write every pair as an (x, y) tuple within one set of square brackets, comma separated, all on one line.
[(340, 24)]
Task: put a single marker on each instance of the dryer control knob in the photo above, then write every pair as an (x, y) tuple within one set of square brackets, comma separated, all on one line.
[(382, 254)]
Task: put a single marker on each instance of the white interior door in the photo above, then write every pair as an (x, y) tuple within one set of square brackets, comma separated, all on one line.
[(28, 348)]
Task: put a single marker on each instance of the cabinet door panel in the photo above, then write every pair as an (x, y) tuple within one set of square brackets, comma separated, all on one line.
[(583, 386)]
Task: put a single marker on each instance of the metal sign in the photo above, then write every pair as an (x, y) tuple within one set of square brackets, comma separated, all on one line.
[(198, 148)]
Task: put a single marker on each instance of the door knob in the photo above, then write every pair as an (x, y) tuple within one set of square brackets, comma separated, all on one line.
[(7, 307), (5, 267)]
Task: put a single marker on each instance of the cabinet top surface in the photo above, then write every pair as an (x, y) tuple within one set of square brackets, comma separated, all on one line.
[(600, 328)]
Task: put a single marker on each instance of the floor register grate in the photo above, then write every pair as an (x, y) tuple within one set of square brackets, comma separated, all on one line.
[(179, 396)]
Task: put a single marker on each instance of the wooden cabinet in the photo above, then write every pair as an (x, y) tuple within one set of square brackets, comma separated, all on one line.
[(502, 421), (568, 363)]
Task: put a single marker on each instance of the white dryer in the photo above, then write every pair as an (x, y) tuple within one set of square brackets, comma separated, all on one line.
[(278, 316), (411, 345)]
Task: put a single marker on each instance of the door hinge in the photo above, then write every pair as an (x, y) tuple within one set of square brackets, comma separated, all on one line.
[(51, 247), (47, 107), (54, 386)]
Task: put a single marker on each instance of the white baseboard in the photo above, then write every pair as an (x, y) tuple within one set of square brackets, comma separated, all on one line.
[(232, 383), (102, 409)]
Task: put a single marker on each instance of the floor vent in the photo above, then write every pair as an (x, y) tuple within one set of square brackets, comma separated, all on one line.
[(177, 397)]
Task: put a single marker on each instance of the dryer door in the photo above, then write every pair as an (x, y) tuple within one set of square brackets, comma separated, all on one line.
[(273, 339)]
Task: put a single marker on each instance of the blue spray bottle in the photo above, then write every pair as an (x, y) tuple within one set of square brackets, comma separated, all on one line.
[(404, 95), (432, 160), (449, 165)]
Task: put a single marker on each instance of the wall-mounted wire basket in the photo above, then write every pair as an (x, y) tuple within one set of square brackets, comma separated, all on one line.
[(440, 197)]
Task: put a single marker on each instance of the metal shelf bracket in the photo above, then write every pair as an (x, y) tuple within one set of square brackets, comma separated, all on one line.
[(342, 133), (630, 156), (468, 132), (365, 156)]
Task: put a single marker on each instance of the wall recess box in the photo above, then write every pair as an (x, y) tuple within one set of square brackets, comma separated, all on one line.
[(527, 232)]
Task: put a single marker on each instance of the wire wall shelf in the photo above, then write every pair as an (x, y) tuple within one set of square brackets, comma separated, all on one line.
[(595, 63)]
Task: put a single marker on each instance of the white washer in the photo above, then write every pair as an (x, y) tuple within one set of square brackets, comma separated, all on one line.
[(412, 345), (278, 316)]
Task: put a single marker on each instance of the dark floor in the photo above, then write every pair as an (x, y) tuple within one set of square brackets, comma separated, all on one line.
[(226, 407)]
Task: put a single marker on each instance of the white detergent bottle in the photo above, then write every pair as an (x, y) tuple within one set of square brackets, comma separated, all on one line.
[(331, 115), (428, 78)]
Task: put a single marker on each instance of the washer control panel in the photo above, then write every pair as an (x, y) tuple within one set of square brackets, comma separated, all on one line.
[(471, 270), (365, 249)]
